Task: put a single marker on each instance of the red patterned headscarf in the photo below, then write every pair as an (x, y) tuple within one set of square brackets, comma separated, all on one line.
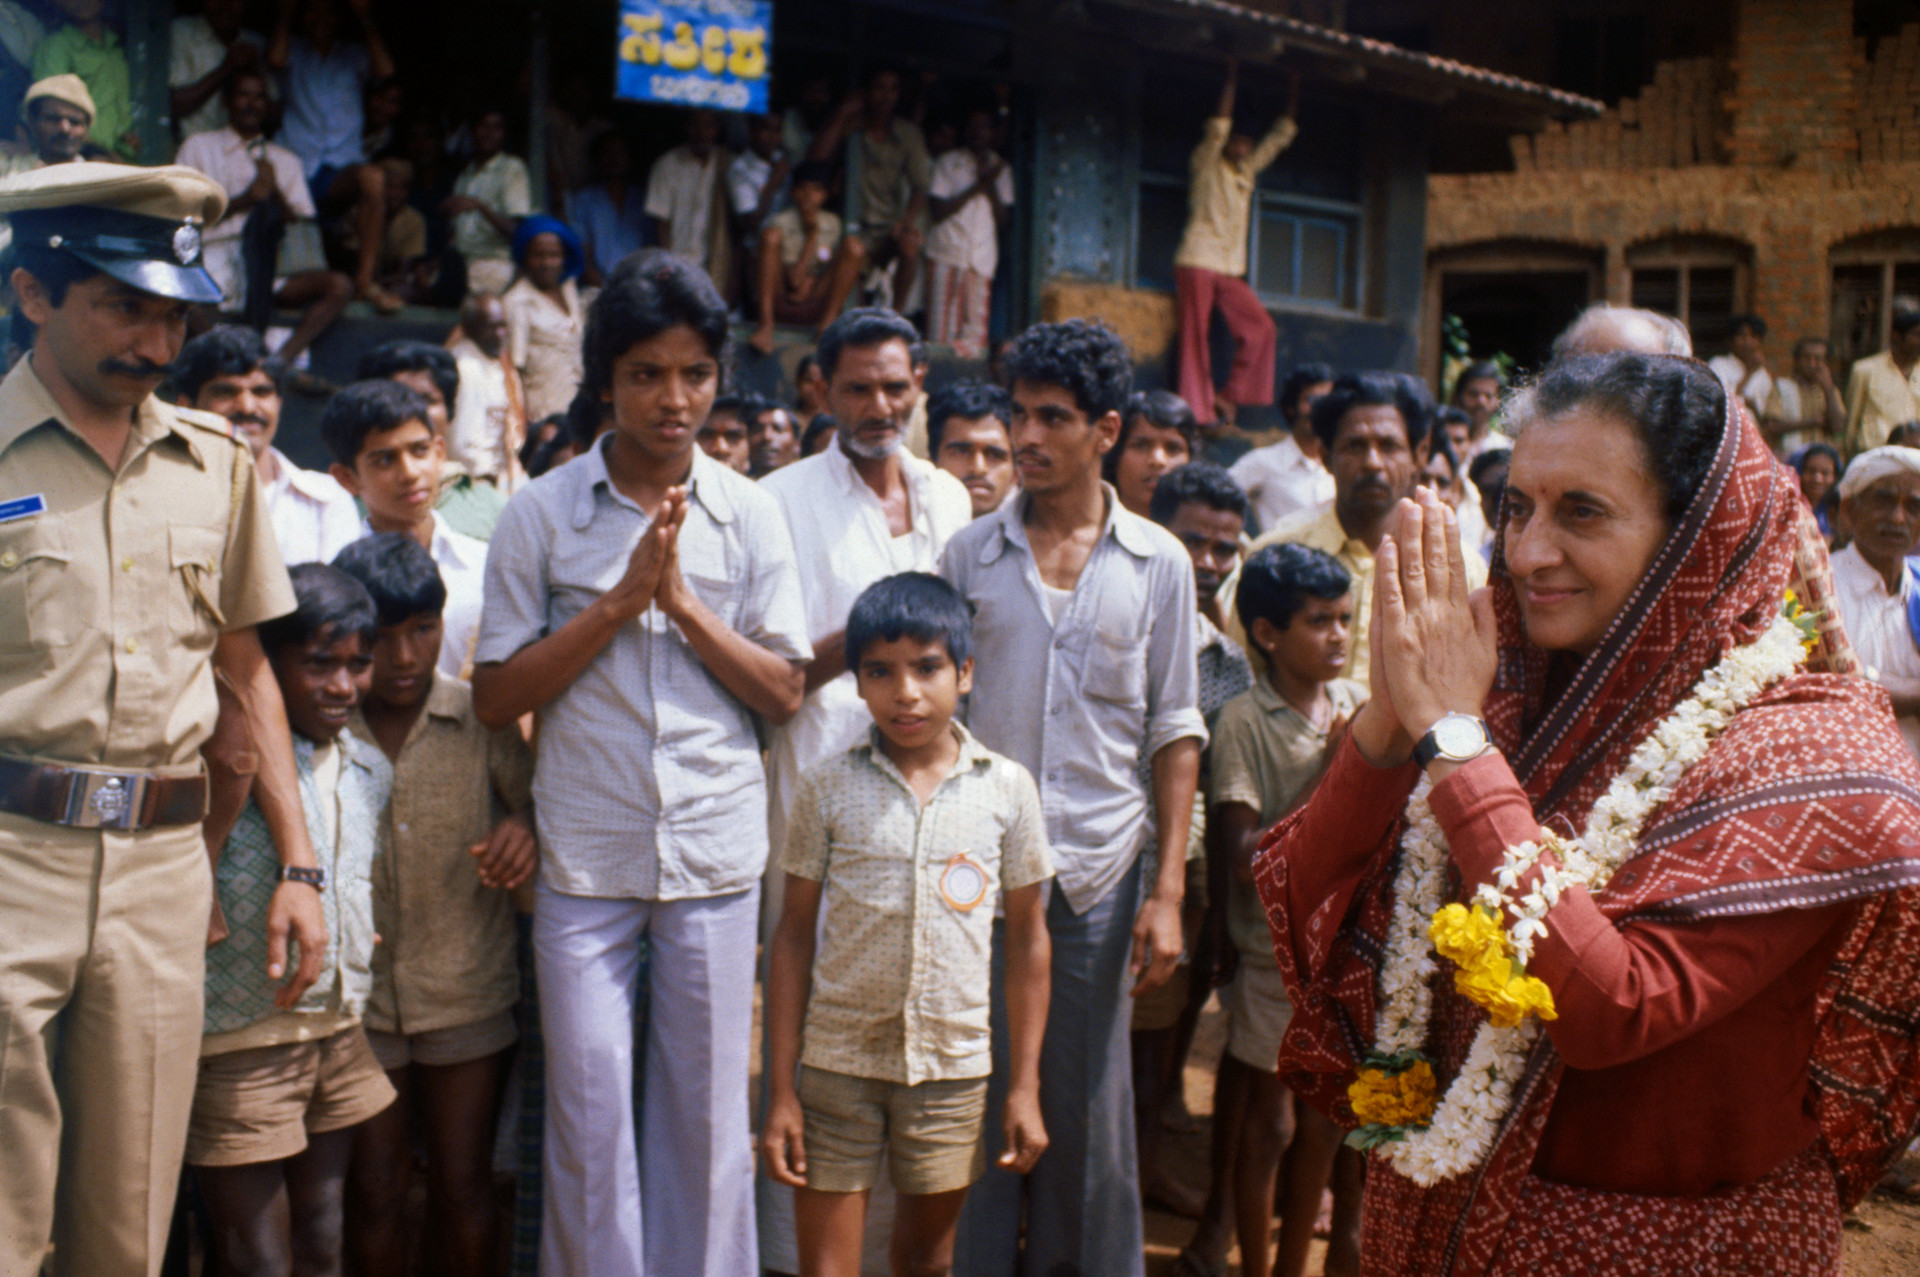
[(1810, 798)]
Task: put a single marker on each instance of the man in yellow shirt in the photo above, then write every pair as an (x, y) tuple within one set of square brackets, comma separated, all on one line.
[(1883, 390), (1210, 267)]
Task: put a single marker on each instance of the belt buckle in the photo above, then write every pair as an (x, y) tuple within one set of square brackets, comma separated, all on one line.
[(104, 800)]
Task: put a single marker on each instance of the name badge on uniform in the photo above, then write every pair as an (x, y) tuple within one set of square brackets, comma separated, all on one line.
[(21, 507), (963, 884)]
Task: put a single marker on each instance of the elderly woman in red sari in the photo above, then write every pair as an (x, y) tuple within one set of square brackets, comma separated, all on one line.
[(1602, 924)]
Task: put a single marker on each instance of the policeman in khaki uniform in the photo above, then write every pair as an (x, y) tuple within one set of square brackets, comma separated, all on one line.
[(135, 559)]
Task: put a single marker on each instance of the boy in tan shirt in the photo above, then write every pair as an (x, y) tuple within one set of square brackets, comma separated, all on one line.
[(906, 840), (440, 1013)]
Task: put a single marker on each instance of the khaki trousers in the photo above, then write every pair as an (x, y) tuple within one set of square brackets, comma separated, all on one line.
[(102, 974)]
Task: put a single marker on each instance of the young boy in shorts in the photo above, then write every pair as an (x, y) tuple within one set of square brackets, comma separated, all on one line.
[(907, 841), (459, 841), (282, 1084), (1269, 747)]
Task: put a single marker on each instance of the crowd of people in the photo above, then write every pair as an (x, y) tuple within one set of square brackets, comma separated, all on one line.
[(988, 733), (339, 189)]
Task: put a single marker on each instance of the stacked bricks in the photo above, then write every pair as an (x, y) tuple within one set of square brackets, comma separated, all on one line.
[(1676, 122), (1795, 65), (1820, 144), (1889, 96)]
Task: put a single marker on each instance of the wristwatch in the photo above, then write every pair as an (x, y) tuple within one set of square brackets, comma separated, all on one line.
[(315, 878), (1457, 738)]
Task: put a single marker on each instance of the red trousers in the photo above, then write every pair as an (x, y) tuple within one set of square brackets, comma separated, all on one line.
[(1250, 380)]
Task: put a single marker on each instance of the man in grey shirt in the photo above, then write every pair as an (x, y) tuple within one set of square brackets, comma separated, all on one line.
[(645, 601), (1084, 641)]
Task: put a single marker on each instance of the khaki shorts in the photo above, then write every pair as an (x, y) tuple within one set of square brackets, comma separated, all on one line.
[(438, 1048), (933, 1133), (261, 1105), (1258, 1013)]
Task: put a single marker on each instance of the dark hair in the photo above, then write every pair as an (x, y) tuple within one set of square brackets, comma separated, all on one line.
[(863, 328), (1302, 376), (800, 369), (1201, 482), (1478, 370), (404, 355), (1904, 434), (1161, 408), (1406, 395), (821, 424), (55, 269), (1483, 465), (327, 601), (400, 576), (649, 292), (1746, 323), (533, 449), (1676, 406), (1813, 450), (742, 406), (1085, 358), (364, 408), (1904, 318), (818, 172), (1799, 347), (1448, 415), (915, 605), (585, 414), (225, 350), (968, 400), (1277, 582), (258, 73), (1439, 444)]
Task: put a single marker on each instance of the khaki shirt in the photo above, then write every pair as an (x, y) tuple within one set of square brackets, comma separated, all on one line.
[(1264, 753), (1220, 197), (111, 595), (900, 978), (446, 952), (1879, 397)]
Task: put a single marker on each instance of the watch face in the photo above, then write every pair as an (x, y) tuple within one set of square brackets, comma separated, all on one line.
[(1458, 736)]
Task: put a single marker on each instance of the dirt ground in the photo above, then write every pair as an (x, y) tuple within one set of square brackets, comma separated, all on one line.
[(1882, 1239)]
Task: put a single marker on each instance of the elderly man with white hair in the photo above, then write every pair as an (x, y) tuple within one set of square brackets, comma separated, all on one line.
[(1875, 588)]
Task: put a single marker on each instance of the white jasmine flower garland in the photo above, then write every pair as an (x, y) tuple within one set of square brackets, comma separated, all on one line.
[(1460, 1134)]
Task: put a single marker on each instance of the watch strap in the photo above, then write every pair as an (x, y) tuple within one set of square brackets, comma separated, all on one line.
[(1426, 749), (314, 877)]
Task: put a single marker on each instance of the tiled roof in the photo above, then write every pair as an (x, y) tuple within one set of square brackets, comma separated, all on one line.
[(1365, 51)]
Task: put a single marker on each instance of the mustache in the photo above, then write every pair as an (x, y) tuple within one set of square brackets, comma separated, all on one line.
[(141, 368), (248, 419)]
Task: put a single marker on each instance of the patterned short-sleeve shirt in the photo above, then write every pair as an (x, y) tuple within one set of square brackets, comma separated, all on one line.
[(900, 978)]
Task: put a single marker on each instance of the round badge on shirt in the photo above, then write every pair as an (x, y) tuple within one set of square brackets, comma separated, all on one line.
[(963, 884)]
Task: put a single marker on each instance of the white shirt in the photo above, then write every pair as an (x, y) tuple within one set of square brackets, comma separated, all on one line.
[(745, 176), (195, 52), (1876, 622), (477, 433), (462, 561), (222, 155), (680, 191), (1281, 481), (842, 544), (314, 518), (1755, 389), (969, 239)]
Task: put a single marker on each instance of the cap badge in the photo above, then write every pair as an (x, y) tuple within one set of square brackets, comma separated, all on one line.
[(186, 244)]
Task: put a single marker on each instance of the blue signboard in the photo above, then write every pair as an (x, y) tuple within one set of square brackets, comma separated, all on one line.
[(711, 53)]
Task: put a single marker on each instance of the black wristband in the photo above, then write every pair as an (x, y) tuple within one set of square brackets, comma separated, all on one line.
[(315, 878)]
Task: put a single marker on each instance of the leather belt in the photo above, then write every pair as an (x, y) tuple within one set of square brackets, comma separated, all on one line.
[(99, 797)]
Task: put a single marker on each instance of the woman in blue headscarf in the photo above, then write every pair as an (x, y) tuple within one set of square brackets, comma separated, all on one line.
[(545, 316)]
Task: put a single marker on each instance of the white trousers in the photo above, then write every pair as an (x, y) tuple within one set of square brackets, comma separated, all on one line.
[(682, 1205)]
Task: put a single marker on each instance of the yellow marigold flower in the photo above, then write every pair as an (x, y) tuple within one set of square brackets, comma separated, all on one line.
[(1407, 1098), (1462, 935)]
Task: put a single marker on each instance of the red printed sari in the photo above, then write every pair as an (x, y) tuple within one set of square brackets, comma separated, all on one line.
[(1809, 800)]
